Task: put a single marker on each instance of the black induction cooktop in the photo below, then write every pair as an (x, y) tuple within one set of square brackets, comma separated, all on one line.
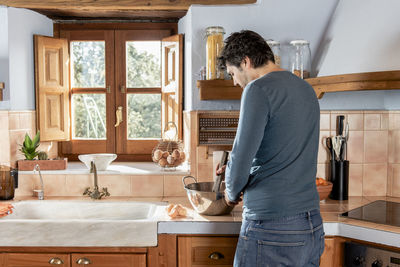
[(382, 212)]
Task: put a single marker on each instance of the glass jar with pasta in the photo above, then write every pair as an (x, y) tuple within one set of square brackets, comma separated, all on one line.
[(215, 42)]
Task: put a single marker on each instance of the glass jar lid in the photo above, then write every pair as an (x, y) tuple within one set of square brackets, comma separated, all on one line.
[(299, 42), (214, 29), (271, 42)]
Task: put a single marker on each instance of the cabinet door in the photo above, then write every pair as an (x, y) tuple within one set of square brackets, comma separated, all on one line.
[(206, 251), (35, 260), (108, 260), (333, 253)]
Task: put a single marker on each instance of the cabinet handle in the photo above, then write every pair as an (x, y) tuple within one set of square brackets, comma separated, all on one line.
[(83, 261), (56, 261), (216, 256), (123, 89), (118, 114)]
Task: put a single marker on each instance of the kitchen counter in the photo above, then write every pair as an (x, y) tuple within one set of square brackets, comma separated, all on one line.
[(334, 225)]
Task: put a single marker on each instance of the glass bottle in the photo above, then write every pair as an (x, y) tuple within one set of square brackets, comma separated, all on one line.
[(215, 42), (276, 49), (300, 58)]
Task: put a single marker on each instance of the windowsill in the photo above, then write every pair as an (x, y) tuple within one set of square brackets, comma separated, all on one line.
[(120, 168)]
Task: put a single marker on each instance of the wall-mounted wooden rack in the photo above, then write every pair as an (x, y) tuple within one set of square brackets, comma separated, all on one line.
[(382, 80), (1, 91), (218, 90)]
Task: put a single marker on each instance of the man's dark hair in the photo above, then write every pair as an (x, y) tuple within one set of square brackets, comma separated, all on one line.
[(245, 43)]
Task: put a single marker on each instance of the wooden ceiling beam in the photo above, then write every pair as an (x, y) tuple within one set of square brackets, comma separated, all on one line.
[(117, 5)]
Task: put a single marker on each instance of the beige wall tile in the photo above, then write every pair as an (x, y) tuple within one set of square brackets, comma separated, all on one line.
[(25, 120), (355, 180), (4, 146), (372, 121), (375, 146), (77, 183), (389, 191), (385, 121), (205, 172), (394, 120), (54, 185), (396, 180), (323, 152), (117, 185), (173, 186), (355, 147), (147, 186), (356, 121), (25, 185), (13, 120), (322, 171), (4, 124), (325, 121), (394, 146), (374, 179)]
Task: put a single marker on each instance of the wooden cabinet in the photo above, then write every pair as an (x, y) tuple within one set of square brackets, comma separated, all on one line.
[(35, 260), (107, 260), (333, 253), (205, 251)]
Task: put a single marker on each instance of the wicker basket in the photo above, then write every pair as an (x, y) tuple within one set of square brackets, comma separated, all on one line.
[(169, 151)]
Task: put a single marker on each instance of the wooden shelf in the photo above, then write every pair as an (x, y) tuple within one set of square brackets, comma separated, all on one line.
[(218, 90), (382, 80), (1, 91)]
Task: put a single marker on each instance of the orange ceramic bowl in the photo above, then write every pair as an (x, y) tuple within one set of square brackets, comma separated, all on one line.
[(324, 190)]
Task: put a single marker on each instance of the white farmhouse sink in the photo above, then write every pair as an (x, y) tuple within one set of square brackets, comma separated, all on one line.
[(80, 223)]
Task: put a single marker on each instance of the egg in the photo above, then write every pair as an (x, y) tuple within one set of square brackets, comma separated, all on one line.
[(165, 154), (176, 154), (162, 162), (170, 159), (182, 156), (157, 155)]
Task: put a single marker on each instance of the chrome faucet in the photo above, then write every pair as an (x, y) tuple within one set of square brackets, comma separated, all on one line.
[(40, 192), (95, 194)]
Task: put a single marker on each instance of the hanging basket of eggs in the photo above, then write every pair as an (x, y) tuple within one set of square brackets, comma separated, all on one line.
[(169, 151)]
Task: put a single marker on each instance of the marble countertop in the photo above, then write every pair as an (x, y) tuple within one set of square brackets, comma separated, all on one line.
[(334, 225)]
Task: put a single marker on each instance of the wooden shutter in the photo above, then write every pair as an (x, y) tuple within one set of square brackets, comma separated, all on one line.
[(52, 88), (172, 81)]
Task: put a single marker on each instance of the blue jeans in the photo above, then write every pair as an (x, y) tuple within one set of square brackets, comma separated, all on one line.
[(287, 241)]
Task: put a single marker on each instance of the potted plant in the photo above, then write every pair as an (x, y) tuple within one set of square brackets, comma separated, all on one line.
[(29, 149)]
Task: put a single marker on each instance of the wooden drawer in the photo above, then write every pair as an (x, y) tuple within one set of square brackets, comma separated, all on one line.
[(206, 251), (35, 259), (107, 260)]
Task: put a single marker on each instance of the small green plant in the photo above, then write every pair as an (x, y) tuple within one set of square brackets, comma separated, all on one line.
[(42, 155), (29, 146)]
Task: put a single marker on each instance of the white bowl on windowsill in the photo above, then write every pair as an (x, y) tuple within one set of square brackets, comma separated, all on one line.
[(101, 160)]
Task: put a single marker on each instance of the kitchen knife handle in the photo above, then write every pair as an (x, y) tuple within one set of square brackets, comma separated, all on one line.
[(340, 120)]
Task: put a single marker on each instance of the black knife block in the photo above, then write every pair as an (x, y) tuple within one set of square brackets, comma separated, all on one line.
[(340, 180)]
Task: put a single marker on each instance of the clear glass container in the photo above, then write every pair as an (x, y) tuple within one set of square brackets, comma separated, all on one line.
[(276, 49), (300, 58), (215, 42)]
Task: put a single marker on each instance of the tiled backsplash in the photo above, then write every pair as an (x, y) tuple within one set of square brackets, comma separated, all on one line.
[(373, 152)]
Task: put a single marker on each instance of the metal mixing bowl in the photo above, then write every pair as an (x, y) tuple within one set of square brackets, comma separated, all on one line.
[(203, 200)]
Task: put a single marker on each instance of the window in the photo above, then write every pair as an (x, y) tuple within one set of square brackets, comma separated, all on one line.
[(118, 75)]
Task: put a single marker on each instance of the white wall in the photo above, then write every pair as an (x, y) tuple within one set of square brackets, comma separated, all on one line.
[(346, 36), (364, 36), (282, 20), (22, 25), (4, 72)]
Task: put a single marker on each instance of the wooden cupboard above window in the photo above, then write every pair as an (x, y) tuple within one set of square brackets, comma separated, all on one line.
[(382, 80)]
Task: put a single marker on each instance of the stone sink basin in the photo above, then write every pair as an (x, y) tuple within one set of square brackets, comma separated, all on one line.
[(80, 224)]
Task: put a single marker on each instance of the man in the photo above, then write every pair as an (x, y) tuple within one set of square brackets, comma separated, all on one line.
[(274, 159)]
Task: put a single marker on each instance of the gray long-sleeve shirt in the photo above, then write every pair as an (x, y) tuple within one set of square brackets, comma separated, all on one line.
[(274, 155)]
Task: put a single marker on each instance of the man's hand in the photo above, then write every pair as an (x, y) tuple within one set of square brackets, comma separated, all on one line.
[(229, 202), (5, 209), (219, 171)]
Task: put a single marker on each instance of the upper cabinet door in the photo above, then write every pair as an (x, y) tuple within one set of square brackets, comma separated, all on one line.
[(172, 81), (52, 88)]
